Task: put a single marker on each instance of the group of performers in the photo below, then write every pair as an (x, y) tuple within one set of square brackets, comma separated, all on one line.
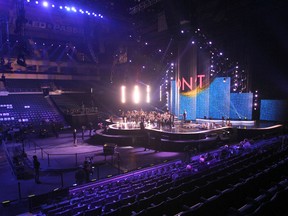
[(151, 118), (154, 119)]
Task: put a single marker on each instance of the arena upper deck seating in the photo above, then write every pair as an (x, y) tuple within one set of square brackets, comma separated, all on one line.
[(72, 102), (27, 108)]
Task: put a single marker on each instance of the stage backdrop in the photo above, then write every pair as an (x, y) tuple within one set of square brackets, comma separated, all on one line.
[(201, 95), (274, 110), (214, 101)]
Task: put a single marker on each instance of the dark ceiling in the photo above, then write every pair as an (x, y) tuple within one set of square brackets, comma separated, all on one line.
[(252, 31)]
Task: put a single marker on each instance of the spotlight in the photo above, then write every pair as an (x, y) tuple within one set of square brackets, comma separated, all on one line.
[(45, 4)]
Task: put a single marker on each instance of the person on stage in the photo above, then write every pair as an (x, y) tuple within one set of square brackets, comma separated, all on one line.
[(184, 116)]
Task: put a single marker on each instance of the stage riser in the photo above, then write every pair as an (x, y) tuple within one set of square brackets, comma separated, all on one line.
[(259, 133), (177, 142)]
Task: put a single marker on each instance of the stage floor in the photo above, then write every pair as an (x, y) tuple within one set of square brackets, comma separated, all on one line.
[(196, 126), (202, 134)]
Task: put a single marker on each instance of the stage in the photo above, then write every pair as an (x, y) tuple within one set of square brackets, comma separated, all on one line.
[(201, 134)]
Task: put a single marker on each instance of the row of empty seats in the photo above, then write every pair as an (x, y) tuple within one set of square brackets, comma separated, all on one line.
[(233, 186), (72, 102), (27, 108)]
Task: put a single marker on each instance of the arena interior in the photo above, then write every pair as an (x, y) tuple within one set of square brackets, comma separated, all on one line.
[(143, 107)]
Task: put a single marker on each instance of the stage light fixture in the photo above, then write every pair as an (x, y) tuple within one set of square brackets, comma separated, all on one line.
[(21, 60), (123, 94), (160, 93), (148, 94), (136, 94), (45, 4)]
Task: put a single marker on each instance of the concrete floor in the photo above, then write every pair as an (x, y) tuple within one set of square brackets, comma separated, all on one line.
[(60, 158)]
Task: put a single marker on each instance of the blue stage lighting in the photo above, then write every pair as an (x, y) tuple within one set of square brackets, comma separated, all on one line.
[(45, 4), (67, 8)]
